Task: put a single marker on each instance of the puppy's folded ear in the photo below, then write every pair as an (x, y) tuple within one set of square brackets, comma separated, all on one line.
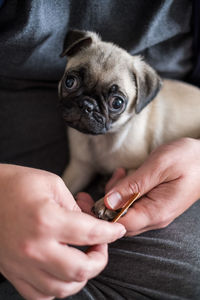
[(75, 40), (148, 84)]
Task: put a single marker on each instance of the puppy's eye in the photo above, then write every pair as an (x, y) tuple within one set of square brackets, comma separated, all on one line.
[(116, 103), (71, 82)]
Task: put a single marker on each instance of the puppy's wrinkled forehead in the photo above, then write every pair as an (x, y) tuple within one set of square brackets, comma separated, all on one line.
[(104, 64)]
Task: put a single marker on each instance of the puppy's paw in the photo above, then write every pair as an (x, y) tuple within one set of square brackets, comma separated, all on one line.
[(100, 210)]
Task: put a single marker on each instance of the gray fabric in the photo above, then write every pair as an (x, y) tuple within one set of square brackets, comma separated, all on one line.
[(32, 33), (163, 264)]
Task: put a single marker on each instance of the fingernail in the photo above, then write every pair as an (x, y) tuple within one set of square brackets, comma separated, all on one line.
[(114, 200)]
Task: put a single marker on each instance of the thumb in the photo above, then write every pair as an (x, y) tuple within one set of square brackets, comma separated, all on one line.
[(140, 181)]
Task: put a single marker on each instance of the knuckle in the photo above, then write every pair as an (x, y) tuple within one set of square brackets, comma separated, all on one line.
[(94, 234), (163, 225), (161, 163), (62, 292), (129, 187), (161, 160), (42, 222), (68, 290), (57, 180), (133, 186), (82, 274), (163, 221), (28, 250), (59, 290)]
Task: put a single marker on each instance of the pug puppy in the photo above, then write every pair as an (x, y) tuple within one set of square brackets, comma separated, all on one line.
[(118, 110)]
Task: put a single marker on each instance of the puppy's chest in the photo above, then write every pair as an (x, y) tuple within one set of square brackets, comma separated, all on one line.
[(107, 155)]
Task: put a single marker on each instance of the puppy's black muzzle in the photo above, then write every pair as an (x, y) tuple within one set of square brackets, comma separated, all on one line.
[(84, 114), (87, 105)]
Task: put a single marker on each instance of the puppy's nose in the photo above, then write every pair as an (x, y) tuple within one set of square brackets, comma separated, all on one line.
[(86, 105)]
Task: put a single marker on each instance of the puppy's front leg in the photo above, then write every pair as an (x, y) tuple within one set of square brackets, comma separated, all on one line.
[(77, 175)]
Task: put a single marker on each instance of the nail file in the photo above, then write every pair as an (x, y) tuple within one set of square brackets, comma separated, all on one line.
[(126, 207)]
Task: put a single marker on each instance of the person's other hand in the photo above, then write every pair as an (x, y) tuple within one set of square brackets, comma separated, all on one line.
[(39, 223), (168, 182)]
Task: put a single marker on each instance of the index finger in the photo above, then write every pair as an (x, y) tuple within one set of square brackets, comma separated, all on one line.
[(78, 228)]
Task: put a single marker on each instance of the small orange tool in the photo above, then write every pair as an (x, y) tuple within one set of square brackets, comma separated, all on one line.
[(126, 207)]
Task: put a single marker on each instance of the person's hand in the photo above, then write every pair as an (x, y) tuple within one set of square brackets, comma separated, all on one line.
[(169, 183), (39, 223)]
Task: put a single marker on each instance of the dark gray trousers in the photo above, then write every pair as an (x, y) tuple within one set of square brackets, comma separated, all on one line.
[(162, 264)]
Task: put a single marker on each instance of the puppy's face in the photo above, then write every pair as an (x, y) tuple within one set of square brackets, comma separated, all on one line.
[(101, 87)]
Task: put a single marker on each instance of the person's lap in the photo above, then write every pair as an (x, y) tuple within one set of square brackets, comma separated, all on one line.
[(160, 264)]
